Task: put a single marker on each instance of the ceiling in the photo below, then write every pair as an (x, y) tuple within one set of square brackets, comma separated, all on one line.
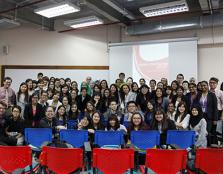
[(22, 11)]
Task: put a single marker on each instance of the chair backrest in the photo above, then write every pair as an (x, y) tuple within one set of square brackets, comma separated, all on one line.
[(145, 139), (181, 138), (209, 160), (166, 161), (74, 137), (71, 124), (36, 136), (110, 161), (62, 160), (102, 138), (14, 157)]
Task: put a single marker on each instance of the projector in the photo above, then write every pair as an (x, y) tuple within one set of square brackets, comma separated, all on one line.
[(7, 23)]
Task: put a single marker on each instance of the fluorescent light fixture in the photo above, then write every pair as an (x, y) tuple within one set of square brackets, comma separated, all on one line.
[(177, 26), (165, 8), (58, 9), (83, 22)]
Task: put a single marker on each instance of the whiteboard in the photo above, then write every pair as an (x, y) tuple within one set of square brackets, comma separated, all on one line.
[(20, 75)]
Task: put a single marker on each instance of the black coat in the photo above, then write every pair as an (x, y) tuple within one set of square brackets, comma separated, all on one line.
[(81, 105)]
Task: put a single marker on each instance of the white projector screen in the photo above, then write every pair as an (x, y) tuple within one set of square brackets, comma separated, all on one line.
[(154, 59)]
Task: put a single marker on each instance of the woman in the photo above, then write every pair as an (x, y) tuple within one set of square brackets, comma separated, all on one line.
[(15, 126), (73, 95), (65, 103), (142, 98), (182, 117), (29, 84), (169, 94), (22, 97), (83, 124), (51, 85), (137, 123), (179, 97), (160, 100), (74, 113), (199, 125), (98, 102), (114, 125), (61, 116), (65, 93), (89, 110), (114, 92), (125, 96), (106, 98), (74, 86), (162, 124), (103, 85), (129, 82), (174, 85), (33, 112), (95, 124), (149, 114), (135, 87), (171, 111)]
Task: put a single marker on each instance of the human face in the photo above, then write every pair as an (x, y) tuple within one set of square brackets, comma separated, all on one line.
[(135, 87), (179, 92), (41, 85), (30, 84), (65, 101), (74, 108), (68, 83), (56, 97), (213, 84), (131, 107), (194, 112), (136, 119), (35, 99), (96, 89), (44, 97), (57, 83), (96, 118), (159, 93), (185, 86), (49, 113), (15, 113), (90, 107), (171, 108), (159, 117), (125, 89), (73, 94), (180, 79), (149, 106), (74, 85), (181, 109), (144, 90), (112, 122), (141, 82), (106, 93), (192, 88), (61, 111), (204, 87), (129, 81), (174, 86), (97, 97), (152, 85), (113, 106), (164, 81), (113, 89), (85, 121), (160, 85), (23, 88), (7, 83), (84, 92), (168, 91), (62, 82), (51, 85), (2, 110), (65, 89), (88, 80)]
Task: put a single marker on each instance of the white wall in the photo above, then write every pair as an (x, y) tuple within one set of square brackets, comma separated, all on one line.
[(31, 46)]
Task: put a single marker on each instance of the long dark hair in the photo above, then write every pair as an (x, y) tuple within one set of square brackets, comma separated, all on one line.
[(64, 115), (142, 125), (26, 93), (122, 94), (178, 112), (164, 122), (117, 124)]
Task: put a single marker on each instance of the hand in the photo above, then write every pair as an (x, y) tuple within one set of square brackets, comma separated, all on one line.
[(91, 131)]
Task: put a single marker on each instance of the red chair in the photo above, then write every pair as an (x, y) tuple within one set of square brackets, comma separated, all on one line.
[(110, 161), (209, 160), (14, 157), (166, 161), (62, 160)]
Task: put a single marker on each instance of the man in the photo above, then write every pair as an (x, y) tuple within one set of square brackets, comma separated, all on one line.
[(40, 87), (4, 140), (7, 95), (180, 79), (43, 100), (82, 99), (213, 83), (191, 97), (113, 109), (142, 81), (39, 76), (122, 77)]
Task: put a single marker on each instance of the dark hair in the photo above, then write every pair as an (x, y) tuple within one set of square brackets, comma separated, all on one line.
[(214, 79), (28, 80), (174, 81), (152, 80), (164, 122), (204, 82), (180, 75), (121, 74), (20, 92), (115, 118), (3, 104), (221, 87), (129, 78), (178, 112), (40, 74), (67, 79), (7, 78), (185, 81), (17, 107), (193, 84), (131, 102), (142, 125), (122, 94), (33, 94), (134, 83), (142, 80), (105, 82)]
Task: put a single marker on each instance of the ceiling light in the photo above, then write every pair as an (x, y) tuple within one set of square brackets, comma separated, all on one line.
[(57, 9), (165, 8), (83, 22)]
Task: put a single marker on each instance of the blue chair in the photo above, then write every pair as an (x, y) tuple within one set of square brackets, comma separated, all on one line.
[(145, 139), (181, 138), (71, 124), (36, 136), (103, 138), (74, 137)]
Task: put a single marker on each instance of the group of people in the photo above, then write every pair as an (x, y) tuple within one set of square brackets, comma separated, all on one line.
[(123, 106)]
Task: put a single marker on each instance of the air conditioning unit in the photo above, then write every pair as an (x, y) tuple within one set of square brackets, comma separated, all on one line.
[(7, 23)]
